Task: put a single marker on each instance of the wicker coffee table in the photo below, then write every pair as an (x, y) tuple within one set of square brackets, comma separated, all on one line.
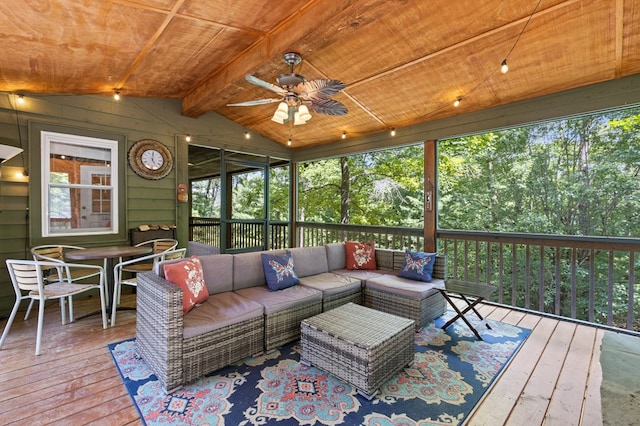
[(359, 345)]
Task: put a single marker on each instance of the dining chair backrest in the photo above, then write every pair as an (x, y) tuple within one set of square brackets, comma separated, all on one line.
[(163, 245), (55, 253), (25, 276), (160, 245), (174, 254)]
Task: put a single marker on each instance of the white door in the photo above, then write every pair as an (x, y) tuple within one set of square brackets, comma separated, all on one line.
[(95, 203)]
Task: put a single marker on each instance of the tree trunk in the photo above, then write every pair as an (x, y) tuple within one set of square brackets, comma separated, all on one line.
[(345, 197)]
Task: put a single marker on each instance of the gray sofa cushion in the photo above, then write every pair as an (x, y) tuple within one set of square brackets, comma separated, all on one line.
[(218, 272), (201, 249), (216, 268), (218, 311), (417, 290), (248, 270), (309, 260), (330, 284), (276, 301), (336, 256), (362, 274)]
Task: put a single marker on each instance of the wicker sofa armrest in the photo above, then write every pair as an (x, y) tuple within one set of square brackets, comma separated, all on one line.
[(159, 328), (440, 268)]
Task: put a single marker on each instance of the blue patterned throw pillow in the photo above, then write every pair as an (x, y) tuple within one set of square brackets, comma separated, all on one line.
[(418, 266), (278, 270)]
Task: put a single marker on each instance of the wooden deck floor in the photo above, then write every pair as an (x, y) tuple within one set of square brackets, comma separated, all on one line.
[(553, 380)]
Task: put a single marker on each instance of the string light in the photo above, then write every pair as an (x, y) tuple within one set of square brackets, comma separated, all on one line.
[(393, 131), (344, 134), (188, 138), (504, 67), (116, 95), (456, 103)]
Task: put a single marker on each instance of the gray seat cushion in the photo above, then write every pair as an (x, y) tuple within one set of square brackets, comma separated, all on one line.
[(218, 311), (276, 301), (362, 274), (417, 290), (330, 284)]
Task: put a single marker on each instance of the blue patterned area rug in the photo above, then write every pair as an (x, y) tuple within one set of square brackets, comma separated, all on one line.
[(450, 373)]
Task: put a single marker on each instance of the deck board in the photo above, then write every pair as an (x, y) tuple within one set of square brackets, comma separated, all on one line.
[(554, 378)]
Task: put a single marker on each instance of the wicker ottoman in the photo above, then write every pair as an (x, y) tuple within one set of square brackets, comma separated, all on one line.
[(359, 345)]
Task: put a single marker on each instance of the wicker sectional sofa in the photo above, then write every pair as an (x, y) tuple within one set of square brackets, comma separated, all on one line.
[(242, 317)]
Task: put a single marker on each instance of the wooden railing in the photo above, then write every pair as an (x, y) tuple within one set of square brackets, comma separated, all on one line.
[(243, 235), (592, 279)]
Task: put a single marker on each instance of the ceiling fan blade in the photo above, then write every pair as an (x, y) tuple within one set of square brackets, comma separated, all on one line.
[(328, 107), (320, 88), (255, 80), (257, 102)]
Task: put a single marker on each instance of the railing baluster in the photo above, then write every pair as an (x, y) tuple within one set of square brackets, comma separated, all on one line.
[(574, 267), (610, 290), (630, 298), (592, 284), (541, 280), (558, 280)]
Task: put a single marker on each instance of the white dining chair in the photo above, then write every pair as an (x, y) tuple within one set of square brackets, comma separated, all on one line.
[(120, 276), (28, 284)]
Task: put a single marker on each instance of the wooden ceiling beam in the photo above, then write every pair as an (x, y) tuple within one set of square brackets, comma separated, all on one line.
[(150, 43), (299, 25)]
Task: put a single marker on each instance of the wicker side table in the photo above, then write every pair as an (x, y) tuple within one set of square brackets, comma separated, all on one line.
[(359, 345)]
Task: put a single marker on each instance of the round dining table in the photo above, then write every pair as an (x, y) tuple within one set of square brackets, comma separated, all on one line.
[(109, 253)]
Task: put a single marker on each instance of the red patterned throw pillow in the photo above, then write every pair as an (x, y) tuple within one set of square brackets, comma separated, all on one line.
[(360, 255), (188, 275)]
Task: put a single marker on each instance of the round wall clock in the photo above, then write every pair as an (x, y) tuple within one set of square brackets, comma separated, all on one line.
[(150, 159)]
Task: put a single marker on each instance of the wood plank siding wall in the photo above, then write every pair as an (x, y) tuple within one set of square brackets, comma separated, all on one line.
[(146, 201)]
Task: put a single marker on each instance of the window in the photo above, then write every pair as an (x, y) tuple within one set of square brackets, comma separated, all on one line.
[(79, 190)]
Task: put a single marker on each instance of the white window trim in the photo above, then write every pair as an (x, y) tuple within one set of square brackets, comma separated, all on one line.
[(46, 138)]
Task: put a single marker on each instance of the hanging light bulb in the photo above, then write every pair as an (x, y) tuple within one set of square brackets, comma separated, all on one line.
[(456, 103), (20, 99), (188, 138), (116, 95), (393, 131), (281, 114), (302, 115), (344, 134), (504, 67), (289, 142), (247, 135)]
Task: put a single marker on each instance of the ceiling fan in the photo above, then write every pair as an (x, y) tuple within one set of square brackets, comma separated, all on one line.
[(299, 95)]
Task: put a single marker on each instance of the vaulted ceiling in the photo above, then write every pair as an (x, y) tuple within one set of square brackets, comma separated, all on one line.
[(404, 62)]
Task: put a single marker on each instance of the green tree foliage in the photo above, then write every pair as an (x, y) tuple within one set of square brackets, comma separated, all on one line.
[(205, 198), (375, 188), (570, 177), (577, 176)]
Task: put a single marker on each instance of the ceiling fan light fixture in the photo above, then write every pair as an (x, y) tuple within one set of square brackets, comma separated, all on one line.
[(302, 115), (281, 114)]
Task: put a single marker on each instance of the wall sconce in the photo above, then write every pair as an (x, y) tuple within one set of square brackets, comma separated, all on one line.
[(183, 193), (6, 153)]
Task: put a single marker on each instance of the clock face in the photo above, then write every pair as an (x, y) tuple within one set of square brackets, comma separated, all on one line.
[(152, 159)]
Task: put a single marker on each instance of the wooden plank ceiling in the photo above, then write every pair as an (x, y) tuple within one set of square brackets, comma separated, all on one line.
[(404, 61)]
